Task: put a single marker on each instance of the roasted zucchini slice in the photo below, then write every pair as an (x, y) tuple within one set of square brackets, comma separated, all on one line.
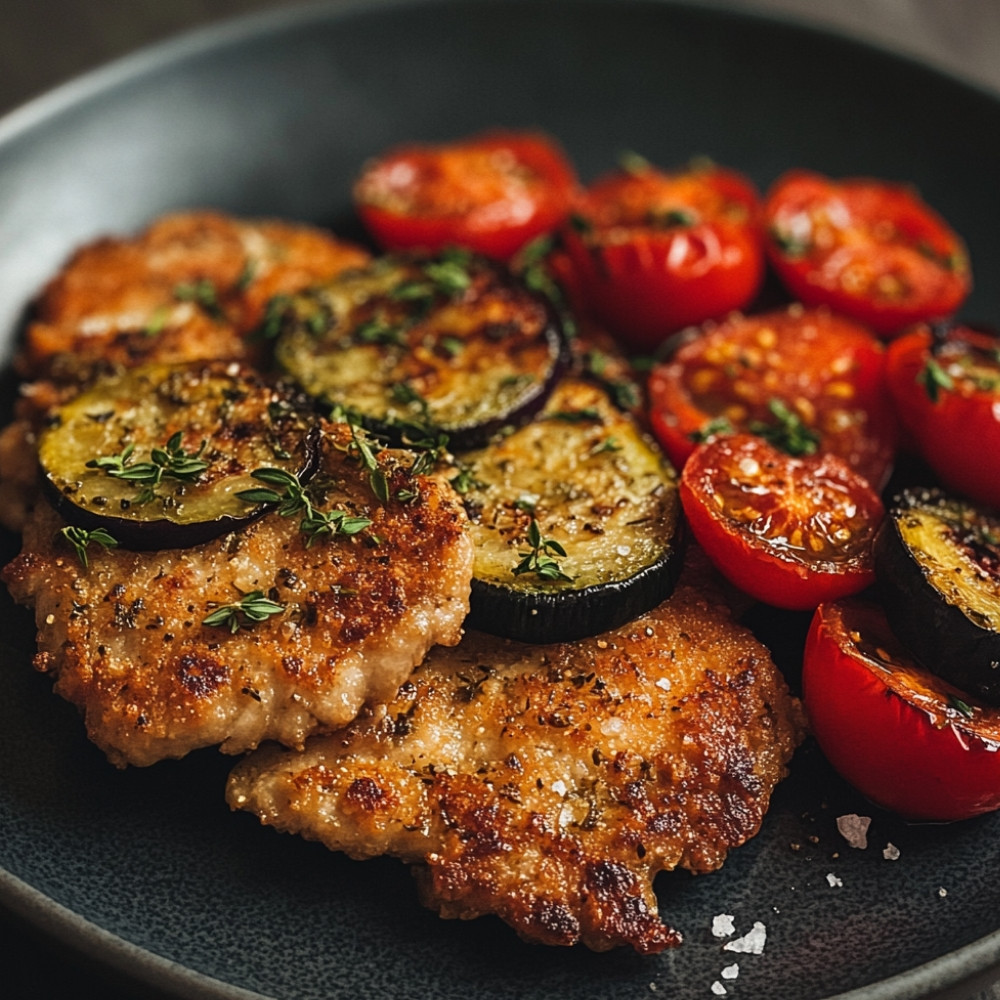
[(937, 560), (157, 456), (452, 344), (575, 519)]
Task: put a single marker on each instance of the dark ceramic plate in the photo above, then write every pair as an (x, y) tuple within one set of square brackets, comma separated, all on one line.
[(147, 869)]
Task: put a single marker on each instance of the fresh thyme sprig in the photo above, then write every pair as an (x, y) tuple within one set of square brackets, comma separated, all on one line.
[(80, 538), (293, 498), (252, 607), (203, 294), (377, 481), (934, 378), (540, 558), (168, 462), (790, 434)]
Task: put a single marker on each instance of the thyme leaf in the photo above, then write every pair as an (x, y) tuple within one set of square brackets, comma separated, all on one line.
[(203, 294), (171, 461), (541, 558), (251, 608), (80, 538), (934, 378), (790, 434)]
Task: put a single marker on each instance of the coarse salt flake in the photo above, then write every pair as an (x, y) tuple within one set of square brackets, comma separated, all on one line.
[(731, 971), (752, 943), (942, 892), (663, 684), (890, 852), (854, 829), (718, 989), (722, 925), (835, 882)]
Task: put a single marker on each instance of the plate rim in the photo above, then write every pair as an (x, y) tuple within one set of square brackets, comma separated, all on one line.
[(56, 923)]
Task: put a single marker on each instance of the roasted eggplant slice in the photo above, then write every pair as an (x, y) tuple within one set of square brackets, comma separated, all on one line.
[(937, 559), (575, 519), (159, 455), (452, 344)]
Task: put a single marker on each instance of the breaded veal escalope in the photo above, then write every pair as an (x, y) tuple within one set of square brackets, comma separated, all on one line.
[(549, 784), (125, 640)]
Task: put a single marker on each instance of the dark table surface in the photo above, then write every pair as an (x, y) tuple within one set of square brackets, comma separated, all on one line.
[(45, 42)]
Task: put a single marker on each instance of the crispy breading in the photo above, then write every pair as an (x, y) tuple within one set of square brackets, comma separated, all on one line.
[(124, 636), (549, 784), (188, 288)]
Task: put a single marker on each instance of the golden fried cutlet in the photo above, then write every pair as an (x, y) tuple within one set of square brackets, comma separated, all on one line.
[(549, 784), (126, 641)]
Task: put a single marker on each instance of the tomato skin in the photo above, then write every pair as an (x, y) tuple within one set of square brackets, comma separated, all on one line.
[(646, 278), (491, 193), (953, 423), (791, 532), (866, 248), (828, 369), (891, 728)]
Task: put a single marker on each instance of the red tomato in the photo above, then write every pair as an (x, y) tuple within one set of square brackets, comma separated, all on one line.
[(810, 366), (866, 248), (788, 531), (947, 390), (906, 739), (491, 193), (657, 251)]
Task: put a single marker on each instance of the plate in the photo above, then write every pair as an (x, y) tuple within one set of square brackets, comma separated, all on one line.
[(147, 870)]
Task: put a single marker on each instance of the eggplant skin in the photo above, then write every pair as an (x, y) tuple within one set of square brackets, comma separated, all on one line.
[(227, 418), (937, 565), (584, 476), (452, 344)]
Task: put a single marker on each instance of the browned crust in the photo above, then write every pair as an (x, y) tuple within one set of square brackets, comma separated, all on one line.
[(125, 640), (550, 784)]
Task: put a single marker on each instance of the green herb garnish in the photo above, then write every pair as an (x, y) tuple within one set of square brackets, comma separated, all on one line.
[(169, 462), (293, 498), (934, 378), (203, 294), (540, 559), (251, 608), (80, 538), (960, 706), (789, 434), (713, 428)]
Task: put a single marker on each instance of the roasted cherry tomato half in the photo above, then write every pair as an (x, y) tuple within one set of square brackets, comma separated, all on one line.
[(490, 193), (946, 384), (903, 737), (866, 248), (658, 251), (811, 380), (788, 531)]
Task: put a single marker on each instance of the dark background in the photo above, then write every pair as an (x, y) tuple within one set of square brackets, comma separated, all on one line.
[(45, 42)]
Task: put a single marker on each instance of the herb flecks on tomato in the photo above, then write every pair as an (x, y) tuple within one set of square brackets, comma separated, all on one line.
[(905, 738), (659, 251), (946, 385), (802, 374), (791, 532), (491, 193), (867, 248)]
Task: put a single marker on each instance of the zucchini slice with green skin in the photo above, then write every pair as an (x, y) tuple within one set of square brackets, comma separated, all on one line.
[(157, 456), (451, 344), (937, 561), (576, 522)]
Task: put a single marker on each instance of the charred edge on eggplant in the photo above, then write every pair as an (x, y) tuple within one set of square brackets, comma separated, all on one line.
[(451, 344), (937, 562), (99, 469), (585, 477)]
